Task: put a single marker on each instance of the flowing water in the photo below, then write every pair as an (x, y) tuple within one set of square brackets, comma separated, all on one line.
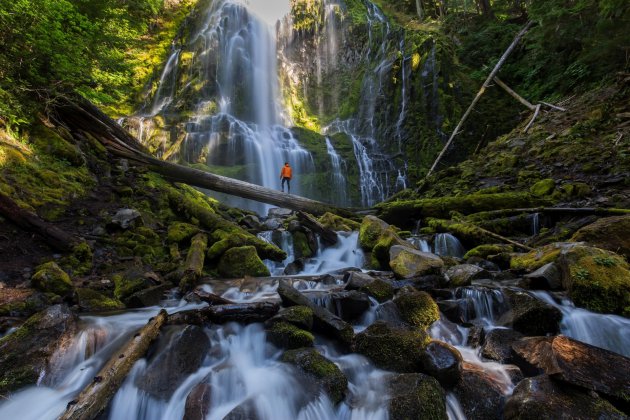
[(448, 245)]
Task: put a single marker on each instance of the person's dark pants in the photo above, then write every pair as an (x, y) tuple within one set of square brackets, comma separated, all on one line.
[(288, 181)]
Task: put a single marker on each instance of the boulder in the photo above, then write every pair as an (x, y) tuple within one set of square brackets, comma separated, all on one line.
[(244, 411), (147, 297), (242, 261), (576, 363), (27, 352), (251, 221), (288, 336), (408, 263), (457, 310), (417, 396), (300, 316), (294, 267), (338, 223), (350, 304), (429, 282), (378, 288), (416, 308), (272, 223), (179, 232), (610, 233), (181, 357), (50, 278), (443, 362), (381, 249), (596, 279), (279, 212), (126, 218), (316, 367), (498, 344), (370, 231), (529, 315), (547, 277), (198, 402), (484, 251), (392, 348), (464, 274), (479, 396), (542, 398), (92, 301)]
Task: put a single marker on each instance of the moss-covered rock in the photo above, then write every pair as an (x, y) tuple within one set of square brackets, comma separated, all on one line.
[(392, 348), (80, 260), (370, 231), (407, 262), (611, 233), (180, 232), (300, 316), (386, 240), (543, 187), (379, 289), (483, 251), (92, 301), (416, 308), (301, 245), (128, 283), (537, 258), (49, 277), (224, 240), (288, 336), (242, 261), (338, 223), (596, 279), (416, 396), (463, 274), (320, 369)]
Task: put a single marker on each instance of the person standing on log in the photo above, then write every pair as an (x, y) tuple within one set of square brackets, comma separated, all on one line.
[(285, 176)]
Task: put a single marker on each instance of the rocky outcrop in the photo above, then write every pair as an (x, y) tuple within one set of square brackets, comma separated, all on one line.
[(529, 315), (479, 396), (443, 362), (416, 308), (610, 233)]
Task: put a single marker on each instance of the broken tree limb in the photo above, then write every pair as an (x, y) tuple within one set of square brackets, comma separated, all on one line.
[(485, 85), (526, 129), (559, 108), (84, 117), (327, 235), (513, 94), (95, 397), (31, 222)]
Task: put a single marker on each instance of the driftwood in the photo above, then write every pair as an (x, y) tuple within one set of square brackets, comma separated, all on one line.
[(501, 238), (95, 397), (30, 221), (327, 235), (85, 117), (193, 266), (485, 85)]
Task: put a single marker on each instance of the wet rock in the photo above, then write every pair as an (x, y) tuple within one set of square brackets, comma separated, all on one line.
[(476, 336), (126, 218), (300, 316), (529, 315), (316, 367), (515, 373), (429, 282), (611, 233), (27, 352), (171, 367), (414, 395), (392, 348), (464, 274), (498, 344), (350, 304), (381, 251), (479, 396), (244, 411), (443, 362), (578, 364), (272, 223), (288, 336), (323, 320), (378, 288), (547, 277), (416, 308), (242, 261), (389, 313), (371, 229), (542, 398), (92, 301), (251, 221), (456, 310), (198, 402), (294, 267), (280, 213), (147, 297), (357, 280), (50, 278), (408, 263), (179, 232)]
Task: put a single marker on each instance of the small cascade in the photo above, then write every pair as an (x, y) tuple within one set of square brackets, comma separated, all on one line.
[(338, 178), (610, 332), (166, 86), (420, 243), (535, 221), (453, 408), (488, 304), (283, 240), (346, 253), (405, 73), (448, 245)]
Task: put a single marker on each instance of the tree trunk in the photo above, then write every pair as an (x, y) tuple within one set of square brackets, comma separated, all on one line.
[(327, 235), (485, 8), (194, 262), (96, 396), (30, 221)]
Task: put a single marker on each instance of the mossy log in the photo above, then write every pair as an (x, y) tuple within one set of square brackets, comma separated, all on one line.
[(193, 267), (472, 233), (95, 397), (597, 211), (328, 235), (30, 221), (83, 116)]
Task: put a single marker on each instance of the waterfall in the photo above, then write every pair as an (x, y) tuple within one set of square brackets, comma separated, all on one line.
[(346, 253), (420, 243), (283, 240), (448, 245), (405, 70), (535, 221), (166, 86), (338, 178), (489, 304)]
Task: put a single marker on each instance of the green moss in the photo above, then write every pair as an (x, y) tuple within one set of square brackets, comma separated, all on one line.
[(370, 231), (125, 287), (80, 261), (417, 396), (536, 258), (379, 290), (49, 277), (321, 369), (301, 246), (93, 301), (385, 241), (242, 261), (417, 308), (288, 336), (300, 316), (483, 251), (180, 232), (224, 240), (338, 223)]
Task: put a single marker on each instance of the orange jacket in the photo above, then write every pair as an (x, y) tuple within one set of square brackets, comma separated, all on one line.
[(285, 172)]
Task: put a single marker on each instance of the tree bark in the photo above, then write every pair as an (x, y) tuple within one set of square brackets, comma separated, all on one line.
[(194, 262), (30, 221), (95, 397), (86, 117), (327, 235), (485, 85)]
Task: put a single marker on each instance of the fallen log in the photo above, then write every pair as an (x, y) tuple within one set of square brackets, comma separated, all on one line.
[(31, 222), (246, 313), (211, 298), (83, 116), (513, 94), (193, 267), (95, 397), (327, 235), (598, 211)]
